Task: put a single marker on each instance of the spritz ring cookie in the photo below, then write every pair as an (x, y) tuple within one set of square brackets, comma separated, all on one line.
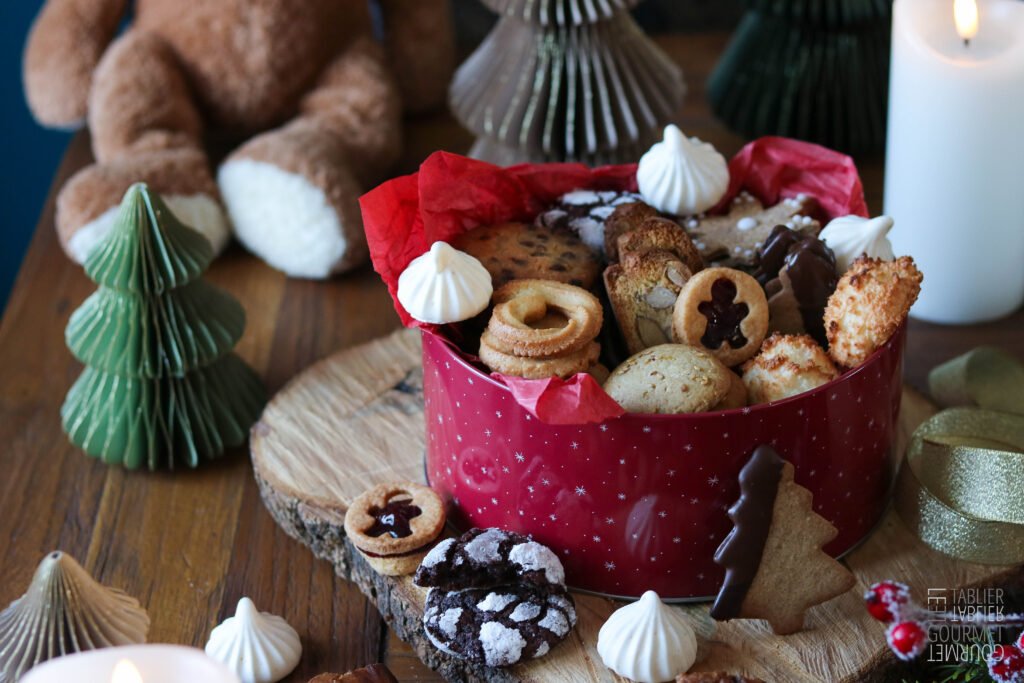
[(521, 304), (724, 311), (564, 365)]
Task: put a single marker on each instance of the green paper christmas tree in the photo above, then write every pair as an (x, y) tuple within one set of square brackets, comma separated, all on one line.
[(161, 385), (811, 69)]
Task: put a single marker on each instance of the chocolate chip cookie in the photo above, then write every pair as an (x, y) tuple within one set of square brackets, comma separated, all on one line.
[(517, 251)]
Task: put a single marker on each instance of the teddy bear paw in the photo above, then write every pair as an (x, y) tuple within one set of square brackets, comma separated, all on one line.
[(88, 204), (297, 212)]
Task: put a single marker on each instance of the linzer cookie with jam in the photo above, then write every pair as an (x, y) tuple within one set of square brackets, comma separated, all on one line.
[(394, 525), (724, 311)]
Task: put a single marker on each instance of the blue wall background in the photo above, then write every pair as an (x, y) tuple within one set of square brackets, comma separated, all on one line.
[(31, 153)]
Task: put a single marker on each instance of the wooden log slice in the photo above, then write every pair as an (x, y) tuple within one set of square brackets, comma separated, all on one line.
[(355, 419)]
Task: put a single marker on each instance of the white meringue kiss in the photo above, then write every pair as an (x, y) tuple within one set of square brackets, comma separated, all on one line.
[(682, 176), (850, 236), (444, 285), (259, 647), (647, 641)]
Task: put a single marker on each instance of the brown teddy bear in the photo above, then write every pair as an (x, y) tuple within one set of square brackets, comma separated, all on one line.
[(306, 78)]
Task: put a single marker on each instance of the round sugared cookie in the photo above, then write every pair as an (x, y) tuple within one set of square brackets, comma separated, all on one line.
[(584, 212), (394, 525), (498, 626), (669, 379)]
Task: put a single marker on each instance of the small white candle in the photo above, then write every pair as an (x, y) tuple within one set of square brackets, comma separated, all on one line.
[(133, 664), (953, 178)]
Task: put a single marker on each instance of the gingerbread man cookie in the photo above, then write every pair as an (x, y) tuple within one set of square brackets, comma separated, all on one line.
[(724, 311)]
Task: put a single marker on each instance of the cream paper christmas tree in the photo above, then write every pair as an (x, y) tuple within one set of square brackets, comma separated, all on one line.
[(161, 387), (565, 80)]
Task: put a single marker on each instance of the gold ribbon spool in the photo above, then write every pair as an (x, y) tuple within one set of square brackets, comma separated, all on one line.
[(961, 486), (983, 377)]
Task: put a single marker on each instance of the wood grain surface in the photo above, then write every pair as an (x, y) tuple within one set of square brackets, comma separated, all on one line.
[(190, 544), (355, 419)]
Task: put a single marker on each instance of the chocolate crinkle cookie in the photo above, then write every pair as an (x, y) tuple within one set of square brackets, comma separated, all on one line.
[(584, 212), (496, 597), (483, 558), (500, 626)]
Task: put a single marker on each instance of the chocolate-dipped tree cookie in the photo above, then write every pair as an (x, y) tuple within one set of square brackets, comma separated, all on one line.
[(775, 567)]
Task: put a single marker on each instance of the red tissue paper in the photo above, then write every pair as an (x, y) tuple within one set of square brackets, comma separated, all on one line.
[(554, 401), (451, 194)]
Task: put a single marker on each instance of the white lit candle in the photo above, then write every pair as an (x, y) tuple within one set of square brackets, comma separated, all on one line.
[(133, 664), (955, 151)]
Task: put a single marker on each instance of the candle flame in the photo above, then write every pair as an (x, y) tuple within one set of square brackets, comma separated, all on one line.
[(965, 14), (126, 672)]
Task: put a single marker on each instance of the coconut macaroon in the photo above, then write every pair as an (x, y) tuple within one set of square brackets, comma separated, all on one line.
[(871, 301), (785, 366)]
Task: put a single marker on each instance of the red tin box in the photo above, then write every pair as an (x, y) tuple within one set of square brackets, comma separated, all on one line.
[(639, 502), (631, 502)]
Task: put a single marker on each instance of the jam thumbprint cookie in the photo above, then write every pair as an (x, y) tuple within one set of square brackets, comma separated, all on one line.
[(394, 525)]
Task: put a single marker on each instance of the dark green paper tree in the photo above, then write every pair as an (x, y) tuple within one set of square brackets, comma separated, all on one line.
[(816, 70), (161, 386)]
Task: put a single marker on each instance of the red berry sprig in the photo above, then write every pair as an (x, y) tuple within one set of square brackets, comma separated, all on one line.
[(886, 600), (1006, 663), (910, 628), (907, 639)]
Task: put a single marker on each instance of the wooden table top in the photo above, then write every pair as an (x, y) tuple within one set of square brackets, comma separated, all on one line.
[(190, 544)]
